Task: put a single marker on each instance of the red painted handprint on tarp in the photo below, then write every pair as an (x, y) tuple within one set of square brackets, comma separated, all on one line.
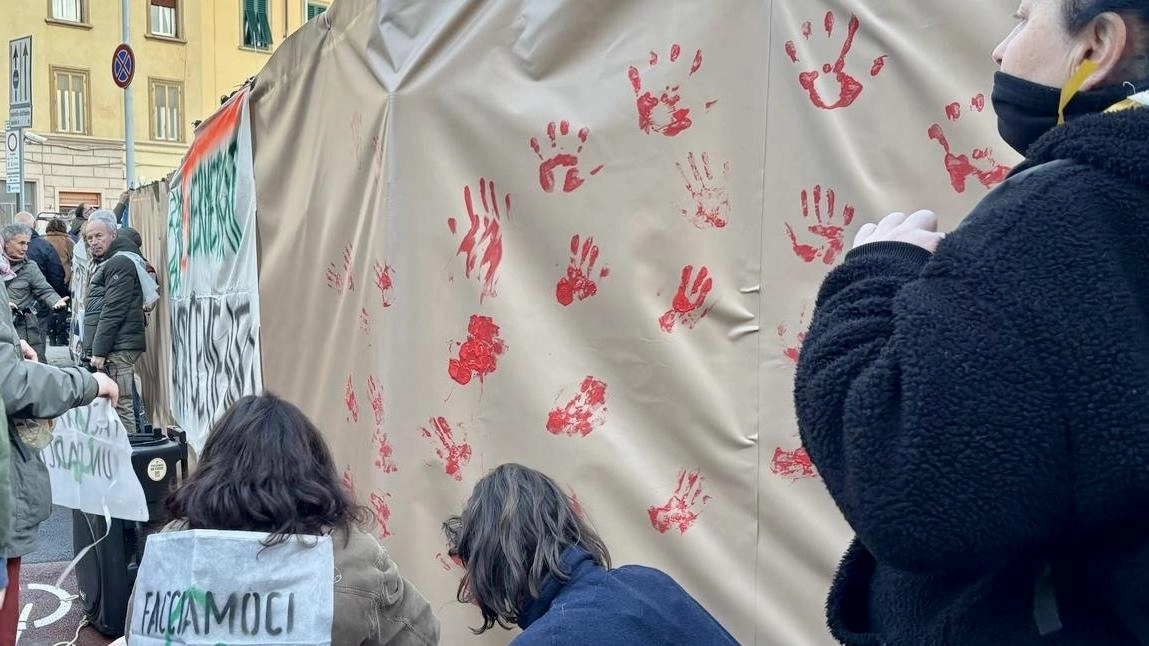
[(482, 244), (479, 354), (454, 454), (681, 511), (579, 281), (825, 230), (838, 89), (585, 411), (341, 277), (664, 111), (711, 201), (978, 164), (559, 156), (792, 463), (689, 304)]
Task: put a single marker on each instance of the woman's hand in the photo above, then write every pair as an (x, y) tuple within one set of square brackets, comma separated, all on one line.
[(919, 228), (27, 351)]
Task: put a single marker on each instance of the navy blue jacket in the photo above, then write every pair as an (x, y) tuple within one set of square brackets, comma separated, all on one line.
[(981, 415), (41, 252), (628, 606)]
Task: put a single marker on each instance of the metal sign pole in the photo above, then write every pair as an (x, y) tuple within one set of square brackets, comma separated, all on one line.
[(129, 121)]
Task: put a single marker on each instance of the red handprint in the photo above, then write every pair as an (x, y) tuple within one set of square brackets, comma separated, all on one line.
[(383, 281), (959, 167), (455, 455), (576, 504), (662, 113), (792, 464), (559, 155), (711, 206), (584, 412), (684, 506), (382, 512), (689, 310), (847, 87), (350, 403), (479, 354), (825, 226), (375, 396), (578, 283), (340, 278), (483, 243), (793, 346)]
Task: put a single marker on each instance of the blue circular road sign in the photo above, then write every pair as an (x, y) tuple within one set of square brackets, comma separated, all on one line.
[(123, 66)]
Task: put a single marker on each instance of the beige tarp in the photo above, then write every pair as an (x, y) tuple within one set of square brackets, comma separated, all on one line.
[(430, 176)]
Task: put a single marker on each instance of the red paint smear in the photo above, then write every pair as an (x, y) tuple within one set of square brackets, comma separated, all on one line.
[(681, 511), (384, 459), (375, 395), (960, 168), (807, 29), (576, 504), (953, 111), (792, 51), (711, 207), (849, 88), (792, 464), (483, 244), (341, 278), (348, 485), (455, 455), (791, 352), (478, 355), (688, 309), (382, 513), (879, 65), (583, 413), (349, 401), (977, 103), (577, 283), (365, 321), (384, 280)]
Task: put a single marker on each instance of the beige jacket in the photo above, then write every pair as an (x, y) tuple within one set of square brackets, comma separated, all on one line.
[(374, 604)]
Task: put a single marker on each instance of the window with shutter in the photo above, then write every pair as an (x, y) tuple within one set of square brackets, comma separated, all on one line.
[(314, 9), (256, 24)]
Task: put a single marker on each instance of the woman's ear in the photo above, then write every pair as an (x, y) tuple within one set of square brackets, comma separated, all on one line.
[(1102, 41)]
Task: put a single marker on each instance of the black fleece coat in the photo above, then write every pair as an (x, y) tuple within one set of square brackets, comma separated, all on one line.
[(981, 415), (114, 311)]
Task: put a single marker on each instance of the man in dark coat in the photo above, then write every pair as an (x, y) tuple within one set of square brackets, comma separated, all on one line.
[(114, 310)]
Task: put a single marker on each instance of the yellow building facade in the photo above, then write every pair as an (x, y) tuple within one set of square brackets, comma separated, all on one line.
[(189, 54)]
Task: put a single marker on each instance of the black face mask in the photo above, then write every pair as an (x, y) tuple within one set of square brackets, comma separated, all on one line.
[(1027, 110)]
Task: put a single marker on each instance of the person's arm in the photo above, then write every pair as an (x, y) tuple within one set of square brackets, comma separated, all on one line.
[(40, 287), (405, 618), (32, 389), (120, 283), (930, 415)]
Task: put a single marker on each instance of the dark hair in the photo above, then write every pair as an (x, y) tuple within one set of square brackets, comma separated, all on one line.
[(266, 468), (56, 225), (510, 537), (133, 235), (1135, 62)]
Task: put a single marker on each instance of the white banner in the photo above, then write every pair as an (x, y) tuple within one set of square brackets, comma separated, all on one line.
[(90, 464), (212, 280), (215, 587)]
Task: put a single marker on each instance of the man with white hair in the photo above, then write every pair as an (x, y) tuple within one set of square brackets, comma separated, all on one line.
[(118, 291), (27, 291)]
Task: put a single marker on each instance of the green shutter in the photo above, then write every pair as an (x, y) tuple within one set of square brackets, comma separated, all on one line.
[(314, 10)]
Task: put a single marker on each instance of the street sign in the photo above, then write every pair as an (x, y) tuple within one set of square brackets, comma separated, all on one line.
[(123, 66), (13, 152), (20, 82)]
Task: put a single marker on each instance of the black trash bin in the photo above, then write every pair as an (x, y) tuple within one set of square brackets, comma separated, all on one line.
[(106, 574)]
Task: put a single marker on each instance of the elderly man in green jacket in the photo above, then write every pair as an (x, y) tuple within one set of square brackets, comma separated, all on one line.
[(29, 390)]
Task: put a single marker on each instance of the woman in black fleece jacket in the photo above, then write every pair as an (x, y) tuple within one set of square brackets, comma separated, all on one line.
[(978, 406)]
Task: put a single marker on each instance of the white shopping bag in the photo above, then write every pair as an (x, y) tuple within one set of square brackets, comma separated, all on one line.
[(90, 463), (210, 587)]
